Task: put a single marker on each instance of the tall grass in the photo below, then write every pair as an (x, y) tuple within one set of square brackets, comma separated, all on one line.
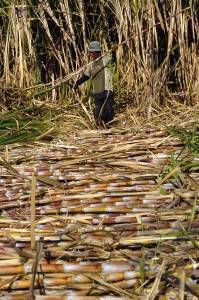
[(21, 126), (157, 54)]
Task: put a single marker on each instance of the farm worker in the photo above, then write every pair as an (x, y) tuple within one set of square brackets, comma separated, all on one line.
[(99, 71)]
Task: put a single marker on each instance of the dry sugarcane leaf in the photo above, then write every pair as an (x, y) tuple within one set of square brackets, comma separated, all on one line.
[(182, 285), (8, 166), (110, 286), (22, 253), (38, 255), (175, 170), (155, 288), (193, 182), (49, 181)]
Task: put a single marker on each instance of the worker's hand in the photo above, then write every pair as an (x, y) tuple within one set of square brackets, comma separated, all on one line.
[(114, 47)]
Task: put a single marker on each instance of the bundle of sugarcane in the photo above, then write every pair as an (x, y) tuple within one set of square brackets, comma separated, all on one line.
[(112, 213)]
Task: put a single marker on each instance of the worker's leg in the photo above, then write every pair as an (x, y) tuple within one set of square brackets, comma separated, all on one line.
[(108, 109), (104, 107), (98, 110)]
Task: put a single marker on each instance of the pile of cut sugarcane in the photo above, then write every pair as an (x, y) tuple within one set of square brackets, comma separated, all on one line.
[(109, 215)]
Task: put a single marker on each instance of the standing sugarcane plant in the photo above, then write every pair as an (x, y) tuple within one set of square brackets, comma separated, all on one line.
[(18, 53), (43, 41)]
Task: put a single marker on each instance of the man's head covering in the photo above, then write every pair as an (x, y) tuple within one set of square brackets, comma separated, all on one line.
[(94, 46)]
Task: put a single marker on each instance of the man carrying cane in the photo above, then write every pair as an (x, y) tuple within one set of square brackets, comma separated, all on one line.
[(99, 71)]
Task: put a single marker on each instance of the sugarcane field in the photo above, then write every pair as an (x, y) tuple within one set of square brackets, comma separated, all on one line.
[(99, 150)]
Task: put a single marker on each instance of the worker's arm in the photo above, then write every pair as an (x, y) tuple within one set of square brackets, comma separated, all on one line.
[(86, 75), (82, 79)]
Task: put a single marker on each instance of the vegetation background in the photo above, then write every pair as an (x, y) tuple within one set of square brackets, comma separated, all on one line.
[(116, 210), (43, 43)]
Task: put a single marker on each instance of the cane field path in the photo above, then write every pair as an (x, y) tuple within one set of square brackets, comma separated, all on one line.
[(106, 215)]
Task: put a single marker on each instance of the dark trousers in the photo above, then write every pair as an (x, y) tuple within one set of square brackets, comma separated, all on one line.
[(104, 107)]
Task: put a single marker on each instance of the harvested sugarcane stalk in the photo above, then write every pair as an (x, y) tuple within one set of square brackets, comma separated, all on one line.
[(110, 209)]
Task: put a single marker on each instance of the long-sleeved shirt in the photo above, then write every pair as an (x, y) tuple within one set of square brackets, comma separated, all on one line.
[(99, 71)]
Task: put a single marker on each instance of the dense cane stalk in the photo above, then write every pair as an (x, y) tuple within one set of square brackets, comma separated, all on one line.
[(45, 40)]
